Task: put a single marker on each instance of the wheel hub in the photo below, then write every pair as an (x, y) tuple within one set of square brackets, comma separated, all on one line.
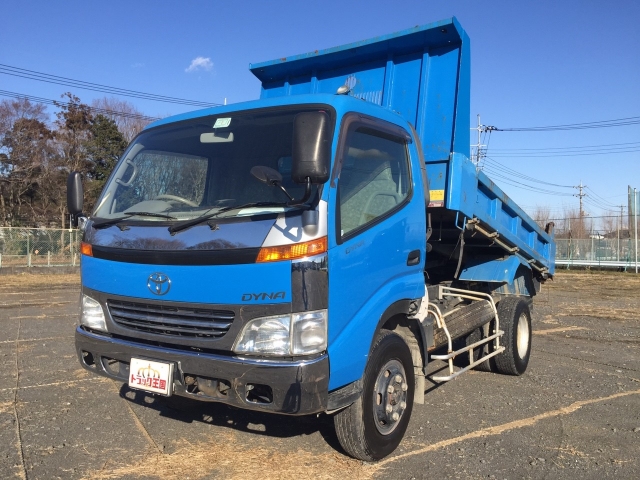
[(522, 336), (390, 396)]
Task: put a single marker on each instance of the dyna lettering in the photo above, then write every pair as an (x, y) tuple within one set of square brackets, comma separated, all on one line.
[(254, 297)]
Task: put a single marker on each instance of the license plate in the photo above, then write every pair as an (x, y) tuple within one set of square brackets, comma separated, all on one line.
[(151, 376)]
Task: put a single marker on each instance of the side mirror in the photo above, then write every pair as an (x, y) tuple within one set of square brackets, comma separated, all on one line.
[(75, 196), (267, 175), (311, 147)]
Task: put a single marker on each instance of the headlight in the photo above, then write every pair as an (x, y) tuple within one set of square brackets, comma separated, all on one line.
[(296, 334), (91, 314)]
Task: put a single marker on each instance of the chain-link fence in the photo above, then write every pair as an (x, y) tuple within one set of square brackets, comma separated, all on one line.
[(38, 247), (605, 252), (41, 247)]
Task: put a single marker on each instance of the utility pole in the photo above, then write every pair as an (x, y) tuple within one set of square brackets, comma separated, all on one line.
[(480, 152), (580, 196), (619, 222), (475, 157), (635, 222)]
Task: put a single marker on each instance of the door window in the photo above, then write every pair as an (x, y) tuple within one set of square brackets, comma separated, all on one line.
[(374, 179)]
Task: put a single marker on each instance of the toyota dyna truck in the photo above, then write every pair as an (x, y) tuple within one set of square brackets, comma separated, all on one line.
[(311, 251)]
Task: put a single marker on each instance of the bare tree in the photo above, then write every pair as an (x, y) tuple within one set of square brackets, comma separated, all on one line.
[(541, 215), (25, 145), (13, 110), (29, 148), (610, 222), (72, 137), (129, 120), (578, 226)]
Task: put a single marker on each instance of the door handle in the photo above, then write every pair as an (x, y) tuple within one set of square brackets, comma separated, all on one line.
[(413, 258)]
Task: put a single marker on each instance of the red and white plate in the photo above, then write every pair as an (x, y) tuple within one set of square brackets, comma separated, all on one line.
[(151, 376)]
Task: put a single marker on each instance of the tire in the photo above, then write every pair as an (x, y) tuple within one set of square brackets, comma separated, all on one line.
[(476, 336), (373, 426), (515, 321)]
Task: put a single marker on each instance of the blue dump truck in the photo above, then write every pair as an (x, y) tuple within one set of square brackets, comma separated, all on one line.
[(311, 251)]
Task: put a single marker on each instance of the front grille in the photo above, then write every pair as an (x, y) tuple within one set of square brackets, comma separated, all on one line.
[(171, 320)]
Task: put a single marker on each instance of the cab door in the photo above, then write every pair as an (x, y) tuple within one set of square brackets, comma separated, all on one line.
[(379, 238)]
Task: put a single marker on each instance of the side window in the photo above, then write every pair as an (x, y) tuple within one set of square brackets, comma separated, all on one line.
[(374, 178)]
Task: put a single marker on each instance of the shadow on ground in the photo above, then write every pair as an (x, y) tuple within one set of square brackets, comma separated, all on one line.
[(220, 415)]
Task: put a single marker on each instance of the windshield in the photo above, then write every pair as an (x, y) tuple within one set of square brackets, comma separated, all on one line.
[(199, 166)]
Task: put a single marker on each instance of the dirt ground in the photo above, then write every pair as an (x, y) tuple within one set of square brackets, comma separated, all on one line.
[(575, 413)]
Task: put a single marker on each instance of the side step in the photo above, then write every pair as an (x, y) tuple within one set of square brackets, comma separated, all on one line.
[(461, 321), (469, 348)]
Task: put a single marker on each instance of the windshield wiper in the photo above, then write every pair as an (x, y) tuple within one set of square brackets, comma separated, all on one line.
[(178, 227), (110, 221)]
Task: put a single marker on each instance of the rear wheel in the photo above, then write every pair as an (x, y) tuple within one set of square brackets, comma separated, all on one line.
[(515, 321), (373, 426)]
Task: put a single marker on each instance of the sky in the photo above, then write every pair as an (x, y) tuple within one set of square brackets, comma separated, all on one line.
[(533, 63)]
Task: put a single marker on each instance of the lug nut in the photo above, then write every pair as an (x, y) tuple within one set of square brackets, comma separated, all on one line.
[(395, 416), (398, 378), (390, 389), (389, 408), (403, 405), (405, 386)]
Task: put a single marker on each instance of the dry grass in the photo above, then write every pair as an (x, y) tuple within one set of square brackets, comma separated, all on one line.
[(237, 461), (28, 281), (603, 295), (586, 282)]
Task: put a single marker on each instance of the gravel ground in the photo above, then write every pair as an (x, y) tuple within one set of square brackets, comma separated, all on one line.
[(575, 413)]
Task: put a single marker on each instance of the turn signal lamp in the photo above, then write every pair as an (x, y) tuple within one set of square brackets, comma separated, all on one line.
[(85, 249), (291, 252)]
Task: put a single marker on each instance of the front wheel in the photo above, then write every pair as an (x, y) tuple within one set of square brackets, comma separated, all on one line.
[(373, 426)]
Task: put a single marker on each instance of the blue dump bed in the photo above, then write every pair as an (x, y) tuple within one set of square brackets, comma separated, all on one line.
[(423, 74)]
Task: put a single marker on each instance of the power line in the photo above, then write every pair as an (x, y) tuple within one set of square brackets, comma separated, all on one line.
[(602, 199), (591, 202), (495, 165), (583, 218), (47, 101), (577, 147), (515, 183), (567, 154), (617, 122), (96, 87)]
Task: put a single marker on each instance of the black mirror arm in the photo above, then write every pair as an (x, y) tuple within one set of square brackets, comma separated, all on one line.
[(277, 184), (303, 200), (74, 218)]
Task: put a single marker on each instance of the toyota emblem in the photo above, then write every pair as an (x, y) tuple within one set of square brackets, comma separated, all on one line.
[(159, 283)]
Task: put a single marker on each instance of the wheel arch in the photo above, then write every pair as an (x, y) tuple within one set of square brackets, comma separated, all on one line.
[(394, 318)]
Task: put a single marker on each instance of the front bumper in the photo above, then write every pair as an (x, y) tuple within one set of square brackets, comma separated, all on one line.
[(297, 387)]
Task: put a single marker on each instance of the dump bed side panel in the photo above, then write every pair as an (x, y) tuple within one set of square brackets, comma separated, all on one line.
[(457, 185)]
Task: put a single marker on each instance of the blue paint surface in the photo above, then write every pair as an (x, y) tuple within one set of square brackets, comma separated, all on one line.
[(367, 274), (501, 271), (222, 284)]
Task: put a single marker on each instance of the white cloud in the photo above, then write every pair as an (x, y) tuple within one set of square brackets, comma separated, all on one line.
[(200, 63)]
